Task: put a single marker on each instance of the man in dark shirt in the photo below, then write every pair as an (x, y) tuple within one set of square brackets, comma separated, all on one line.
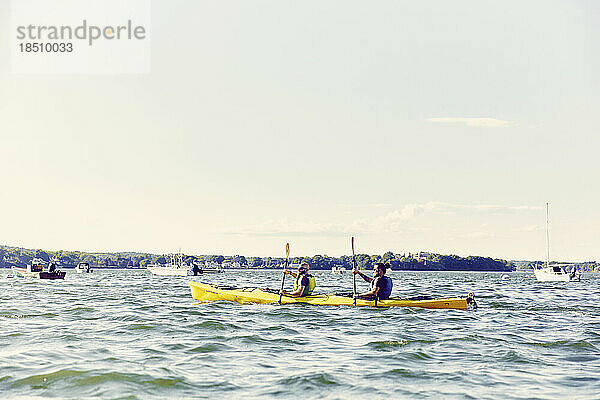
[(196, 270), (304, 283), (381, 285)]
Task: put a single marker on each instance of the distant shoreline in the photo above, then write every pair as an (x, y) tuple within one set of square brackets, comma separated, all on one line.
[(419, 261)]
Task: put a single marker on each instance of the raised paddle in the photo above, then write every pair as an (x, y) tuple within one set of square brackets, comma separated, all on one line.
[(287, 259), (353, 274)]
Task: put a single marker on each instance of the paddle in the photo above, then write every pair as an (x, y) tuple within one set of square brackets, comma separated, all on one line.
[(353, 274), (287, 259)]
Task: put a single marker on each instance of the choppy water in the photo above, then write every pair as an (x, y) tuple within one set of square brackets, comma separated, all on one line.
[(127, 334)]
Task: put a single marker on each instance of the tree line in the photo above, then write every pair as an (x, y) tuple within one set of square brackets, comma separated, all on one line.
[(411, 262)]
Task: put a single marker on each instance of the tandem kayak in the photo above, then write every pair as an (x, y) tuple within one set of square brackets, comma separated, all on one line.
[(207, 293)]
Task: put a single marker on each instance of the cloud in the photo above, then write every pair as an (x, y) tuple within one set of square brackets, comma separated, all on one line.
[(377, 205), (530, 228), (477, 235), (450, 208), (284, 227), (505, 209), (475, 122), (395, 221)]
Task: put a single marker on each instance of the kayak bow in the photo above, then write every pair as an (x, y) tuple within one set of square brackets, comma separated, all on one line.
[(207, 293)]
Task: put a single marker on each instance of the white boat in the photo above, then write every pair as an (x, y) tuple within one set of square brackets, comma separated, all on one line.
[(556, 272), (83, 267), (31, 271), (35, 270), (175, 267), (338, 270)]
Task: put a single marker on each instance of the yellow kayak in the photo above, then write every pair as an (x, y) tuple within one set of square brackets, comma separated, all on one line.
[(207, 293)]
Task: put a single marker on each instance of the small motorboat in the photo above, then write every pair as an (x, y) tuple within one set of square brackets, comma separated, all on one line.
[(35, 270), (83, 267)]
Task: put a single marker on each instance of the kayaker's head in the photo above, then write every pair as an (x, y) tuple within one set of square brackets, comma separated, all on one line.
[(379, 269), (303, 268)]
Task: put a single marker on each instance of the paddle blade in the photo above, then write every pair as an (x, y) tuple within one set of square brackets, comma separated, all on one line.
[(287, 250), (352, 245)]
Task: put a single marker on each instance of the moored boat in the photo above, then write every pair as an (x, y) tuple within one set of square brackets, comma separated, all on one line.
[(556, 272), (208, 293), (35, 270), (83, 267), (175, 267)]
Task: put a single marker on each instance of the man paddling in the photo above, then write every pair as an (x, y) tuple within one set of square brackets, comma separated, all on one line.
[(304, 283), (381, 285)]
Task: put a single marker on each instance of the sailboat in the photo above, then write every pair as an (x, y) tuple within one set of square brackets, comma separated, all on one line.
[(556, 272)]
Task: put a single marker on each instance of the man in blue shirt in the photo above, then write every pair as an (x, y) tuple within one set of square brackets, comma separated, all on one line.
[(381, 285)]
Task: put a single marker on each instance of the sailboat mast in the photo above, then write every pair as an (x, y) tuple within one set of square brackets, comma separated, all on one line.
[(547, 240)]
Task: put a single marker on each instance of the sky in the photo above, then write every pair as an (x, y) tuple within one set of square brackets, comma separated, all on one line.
[(412, 125)]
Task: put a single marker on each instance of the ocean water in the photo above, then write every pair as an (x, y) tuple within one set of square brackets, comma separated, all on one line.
[(129, 335)]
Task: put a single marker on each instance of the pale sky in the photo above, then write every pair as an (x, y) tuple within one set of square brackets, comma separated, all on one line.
[(441, 126)]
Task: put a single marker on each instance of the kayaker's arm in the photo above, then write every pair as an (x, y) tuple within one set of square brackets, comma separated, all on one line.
[(294, 274), (365, 277), (370, 293), (296, 293)]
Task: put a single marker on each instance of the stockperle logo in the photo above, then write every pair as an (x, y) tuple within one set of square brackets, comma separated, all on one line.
[(74, 36), (85, 31)]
